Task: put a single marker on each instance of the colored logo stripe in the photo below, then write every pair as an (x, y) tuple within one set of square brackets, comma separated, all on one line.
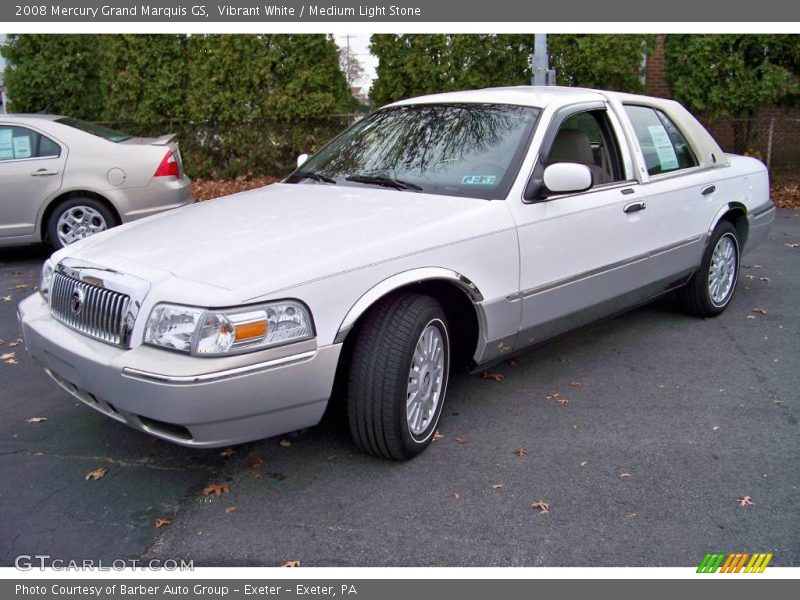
[(734, 562)]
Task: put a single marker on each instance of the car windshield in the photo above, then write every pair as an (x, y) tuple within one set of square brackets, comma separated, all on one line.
[(471, 150), (95, 129)]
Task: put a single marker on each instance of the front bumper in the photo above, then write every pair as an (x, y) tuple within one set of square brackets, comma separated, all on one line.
[(201, 402)]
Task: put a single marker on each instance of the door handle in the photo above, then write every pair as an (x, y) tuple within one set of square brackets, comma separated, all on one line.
[(634, 207), (43, 173), (709, 189)]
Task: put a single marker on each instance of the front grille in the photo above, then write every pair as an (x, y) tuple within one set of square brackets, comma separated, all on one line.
[(93, 310)]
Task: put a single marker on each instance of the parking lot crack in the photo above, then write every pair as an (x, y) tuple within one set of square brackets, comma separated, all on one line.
[(143, 463)]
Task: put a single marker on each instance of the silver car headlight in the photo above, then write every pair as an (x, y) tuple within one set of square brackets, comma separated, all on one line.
[(216, 332), (45, 279)]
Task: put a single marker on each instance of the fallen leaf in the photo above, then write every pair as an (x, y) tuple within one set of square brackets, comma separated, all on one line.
[(462, 440), (564, 359), (8, 355), (256, 475), (493, 376), (584, 463), (285, 443), (159, 523), (575, 384), (745, 501), (765, 279), (556, 397), (21, 286), (14, 344), (777, 401), (750, 316), (521, 452), (456, 496), (749, 276), (497, 486), (631, 515), (715, 428), (437, 436), (5, 298), (217, 489), (513, 362), (291, 563), (230, 509), (542, 506), (255, 462), (36, 419), (753, 267), (792, 244), (96, 474), (761, 311), (623, 475), (228, 453), (574, 428)]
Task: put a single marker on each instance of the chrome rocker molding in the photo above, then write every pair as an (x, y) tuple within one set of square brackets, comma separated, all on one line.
[(218, 375), (397, 281)]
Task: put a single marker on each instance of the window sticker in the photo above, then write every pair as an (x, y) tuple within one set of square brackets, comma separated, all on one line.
[(479, 180), (6, 149), (22, 147), (664, 148)]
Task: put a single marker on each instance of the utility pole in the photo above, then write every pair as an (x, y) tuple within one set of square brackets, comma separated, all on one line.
[(541, 72), (347, 60)]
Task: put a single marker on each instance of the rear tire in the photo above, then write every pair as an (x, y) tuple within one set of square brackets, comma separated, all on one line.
[(711, 288), (398, 376), (76, 218)]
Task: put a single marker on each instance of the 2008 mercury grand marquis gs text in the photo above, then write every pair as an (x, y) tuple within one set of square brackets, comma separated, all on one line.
[(442, 231)]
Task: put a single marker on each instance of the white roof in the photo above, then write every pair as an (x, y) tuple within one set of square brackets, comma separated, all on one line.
[(528, 95)]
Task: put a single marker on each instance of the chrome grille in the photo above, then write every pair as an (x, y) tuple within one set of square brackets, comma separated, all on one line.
[(93, 310)]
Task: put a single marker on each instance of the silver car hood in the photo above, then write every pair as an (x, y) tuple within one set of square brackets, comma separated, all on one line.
[(286, 234)]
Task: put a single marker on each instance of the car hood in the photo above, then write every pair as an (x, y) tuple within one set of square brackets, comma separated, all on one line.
[(286, 234)]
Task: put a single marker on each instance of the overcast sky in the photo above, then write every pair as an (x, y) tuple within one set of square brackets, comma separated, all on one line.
[(359, 42)]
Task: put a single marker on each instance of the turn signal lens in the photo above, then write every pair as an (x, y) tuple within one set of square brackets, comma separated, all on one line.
[(250, 331)]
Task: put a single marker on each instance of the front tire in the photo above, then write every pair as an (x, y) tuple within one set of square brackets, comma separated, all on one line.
[(398, 376), (711, 288)]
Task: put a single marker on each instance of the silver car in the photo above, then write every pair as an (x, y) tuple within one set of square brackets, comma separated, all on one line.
[(62, 179)]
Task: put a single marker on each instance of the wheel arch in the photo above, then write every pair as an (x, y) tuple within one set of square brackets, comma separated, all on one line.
[(457, 294), (736, 214), (67, 195)]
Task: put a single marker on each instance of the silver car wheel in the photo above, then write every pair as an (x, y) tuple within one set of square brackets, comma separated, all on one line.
[(78, 222), (426, 379), (722, 270)]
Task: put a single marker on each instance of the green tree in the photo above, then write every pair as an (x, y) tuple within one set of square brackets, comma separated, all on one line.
[(144, 79), (54, 73), (731, 76), (608, 62), (411, 65)]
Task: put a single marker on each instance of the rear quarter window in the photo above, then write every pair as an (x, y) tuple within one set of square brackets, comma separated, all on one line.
[(20, 143)]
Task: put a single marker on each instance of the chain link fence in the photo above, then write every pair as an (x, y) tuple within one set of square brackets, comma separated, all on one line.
[(773, 139)]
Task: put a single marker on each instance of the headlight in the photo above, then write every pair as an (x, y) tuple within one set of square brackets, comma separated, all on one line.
[(212, 332), (45, 279)]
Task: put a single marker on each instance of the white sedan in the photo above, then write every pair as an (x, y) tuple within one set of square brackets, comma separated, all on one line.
[(441, 232)]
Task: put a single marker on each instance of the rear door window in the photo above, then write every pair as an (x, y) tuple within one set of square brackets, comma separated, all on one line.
[(664, 147), (19, 143)]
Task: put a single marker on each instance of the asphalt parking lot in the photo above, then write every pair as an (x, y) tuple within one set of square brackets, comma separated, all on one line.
[(640, 436)]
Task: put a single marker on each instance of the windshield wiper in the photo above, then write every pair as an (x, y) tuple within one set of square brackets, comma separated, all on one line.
[(391, 182), (316, 176)]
